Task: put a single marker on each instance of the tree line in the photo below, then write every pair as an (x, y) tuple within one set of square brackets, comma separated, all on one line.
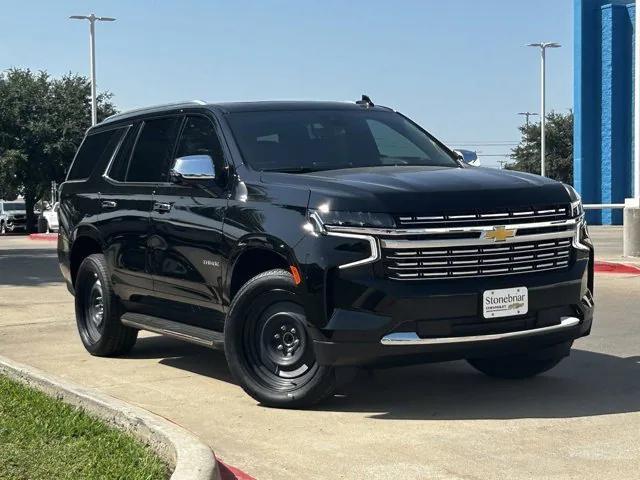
[(559, 148), (42, 122)]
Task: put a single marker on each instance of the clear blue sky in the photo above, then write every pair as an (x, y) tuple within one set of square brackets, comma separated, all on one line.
[(456, 67)]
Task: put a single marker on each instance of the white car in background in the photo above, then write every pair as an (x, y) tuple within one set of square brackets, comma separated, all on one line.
[(48, 221)]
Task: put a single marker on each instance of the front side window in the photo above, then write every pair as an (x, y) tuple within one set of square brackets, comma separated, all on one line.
[(199, 137), (153, 152), (314, 140), (96, 149)]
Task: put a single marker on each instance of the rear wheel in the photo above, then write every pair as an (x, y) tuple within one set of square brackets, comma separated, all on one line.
[(268, 347), (98, 311)]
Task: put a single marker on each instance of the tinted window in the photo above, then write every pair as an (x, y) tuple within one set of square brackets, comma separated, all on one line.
[(14, 206), (199, 137), (96, 149), (325, 140), (118, 170), (153, 151), (391, 143)]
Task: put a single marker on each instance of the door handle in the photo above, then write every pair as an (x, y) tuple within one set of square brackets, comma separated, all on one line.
[(162, 207), (109, 204)]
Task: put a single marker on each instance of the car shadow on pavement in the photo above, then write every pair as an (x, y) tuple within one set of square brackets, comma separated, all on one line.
[(585, 384), (184, 356), (29, 267)]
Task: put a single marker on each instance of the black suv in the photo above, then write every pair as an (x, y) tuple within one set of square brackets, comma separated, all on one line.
[(304, 237)]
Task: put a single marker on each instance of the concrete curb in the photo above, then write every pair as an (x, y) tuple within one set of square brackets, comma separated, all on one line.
[(190, 457), (47, 237), (616, 267)]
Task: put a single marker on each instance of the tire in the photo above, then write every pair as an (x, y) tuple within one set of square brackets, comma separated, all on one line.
[(516, 366), (268, 347), (98, 311)]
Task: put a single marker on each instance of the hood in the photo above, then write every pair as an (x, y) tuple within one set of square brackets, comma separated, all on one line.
[(422, 190)]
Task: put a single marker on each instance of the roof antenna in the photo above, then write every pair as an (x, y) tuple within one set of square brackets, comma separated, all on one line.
[(366, 101)]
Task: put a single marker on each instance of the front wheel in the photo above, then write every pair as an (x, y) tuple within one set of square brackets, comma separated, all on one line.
[(515, 366), (268, 347)]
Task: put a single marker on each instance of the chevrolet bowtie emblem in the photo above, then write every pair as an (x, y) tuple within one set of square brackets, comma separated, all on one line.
[(499, 234)]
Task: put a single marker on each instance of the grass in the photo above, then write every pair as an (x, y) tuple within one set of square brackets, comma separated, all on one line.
[(43, 438)]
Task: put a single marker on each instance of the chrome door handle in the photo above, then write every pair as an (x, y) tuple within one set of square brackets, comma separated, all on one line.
[(162, 207), (109, 204)]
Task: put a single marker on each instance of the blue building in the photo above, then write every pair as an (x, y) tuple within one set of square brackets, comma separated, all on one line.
[(603, 96)]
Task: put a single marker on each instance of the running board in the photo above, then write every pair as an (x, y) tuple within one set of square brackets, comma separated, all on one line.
[(181, 331)]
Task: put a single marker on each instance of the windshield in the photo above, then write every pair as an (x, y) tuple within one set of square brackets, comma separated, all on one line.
[(14, 206), (299, 141)]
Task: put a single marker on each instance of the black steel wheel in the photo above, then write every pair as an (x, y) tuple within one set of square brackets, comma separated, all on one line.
[(268, 346), (515, 367), (98, 311)]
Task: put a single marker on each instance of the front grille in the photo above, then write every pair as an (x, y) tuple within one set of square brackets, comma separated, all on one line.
[(445, 262), (520, 215)]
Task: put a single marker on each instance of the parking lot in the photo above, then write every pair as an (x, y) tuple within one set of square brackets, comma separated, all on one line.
[(579, 421)]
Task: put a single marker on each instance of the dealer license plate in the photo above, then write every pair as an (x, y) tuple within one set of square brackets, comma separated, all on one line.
[(505, 302)]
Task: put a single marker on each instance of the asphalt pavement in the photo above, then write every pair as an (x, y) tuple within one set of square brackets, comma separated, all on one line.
[(439, 421)]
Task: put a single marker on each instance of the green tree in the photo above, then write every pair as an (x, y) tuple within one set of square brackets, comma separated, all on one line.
[(559, 148), (42, 123)]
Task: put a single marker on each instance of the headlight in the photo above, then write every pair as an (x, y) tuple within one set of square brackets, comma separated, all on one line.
[(354, 219), (323, 217), (577, 209)]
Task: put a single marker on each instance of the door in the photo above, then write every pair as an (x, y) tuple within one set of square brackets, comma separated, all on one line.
[(185, 248), (127, 199)]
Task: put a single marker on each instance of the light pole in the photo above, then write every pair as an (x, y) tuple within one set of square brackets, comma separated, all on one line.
[(92, 51), (543, 110), (527, 115)]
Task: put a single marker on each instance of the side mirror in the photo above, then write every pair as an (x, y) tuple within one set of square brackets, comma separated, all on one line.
[(193, 169), (468, 156)]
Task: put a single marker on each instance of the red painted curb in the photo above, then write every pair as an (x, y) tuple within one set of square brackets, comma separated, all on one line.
[(48, 237), (613, 267), (227, 472)]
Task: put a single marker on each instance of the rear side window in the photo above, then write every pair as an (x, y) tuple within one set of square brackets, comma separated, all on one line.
[(154, 150), (96, 149), (118, 169)]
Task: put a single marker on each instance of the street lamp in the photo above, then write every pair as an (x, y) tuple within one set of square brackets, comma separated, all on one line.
[(527, 115), (92, 51), (543, 111)]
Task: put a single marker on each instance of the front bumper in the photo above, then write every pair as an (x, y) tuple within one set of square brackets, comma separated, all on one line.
[(376, 321), (394, 350), (16, 225)]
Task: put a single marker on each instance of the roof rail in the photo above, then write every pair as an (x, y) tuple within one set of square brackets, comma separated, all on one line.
[(153, 107)]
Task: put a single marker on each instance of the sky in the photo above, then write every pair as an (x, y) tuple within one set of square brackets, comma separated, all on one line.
[(458, 68)]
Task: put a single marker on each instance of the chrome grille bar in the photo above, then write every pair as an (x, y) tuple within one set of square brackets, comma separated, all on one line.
[(506, 217), (397, 232), (431, 259)]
